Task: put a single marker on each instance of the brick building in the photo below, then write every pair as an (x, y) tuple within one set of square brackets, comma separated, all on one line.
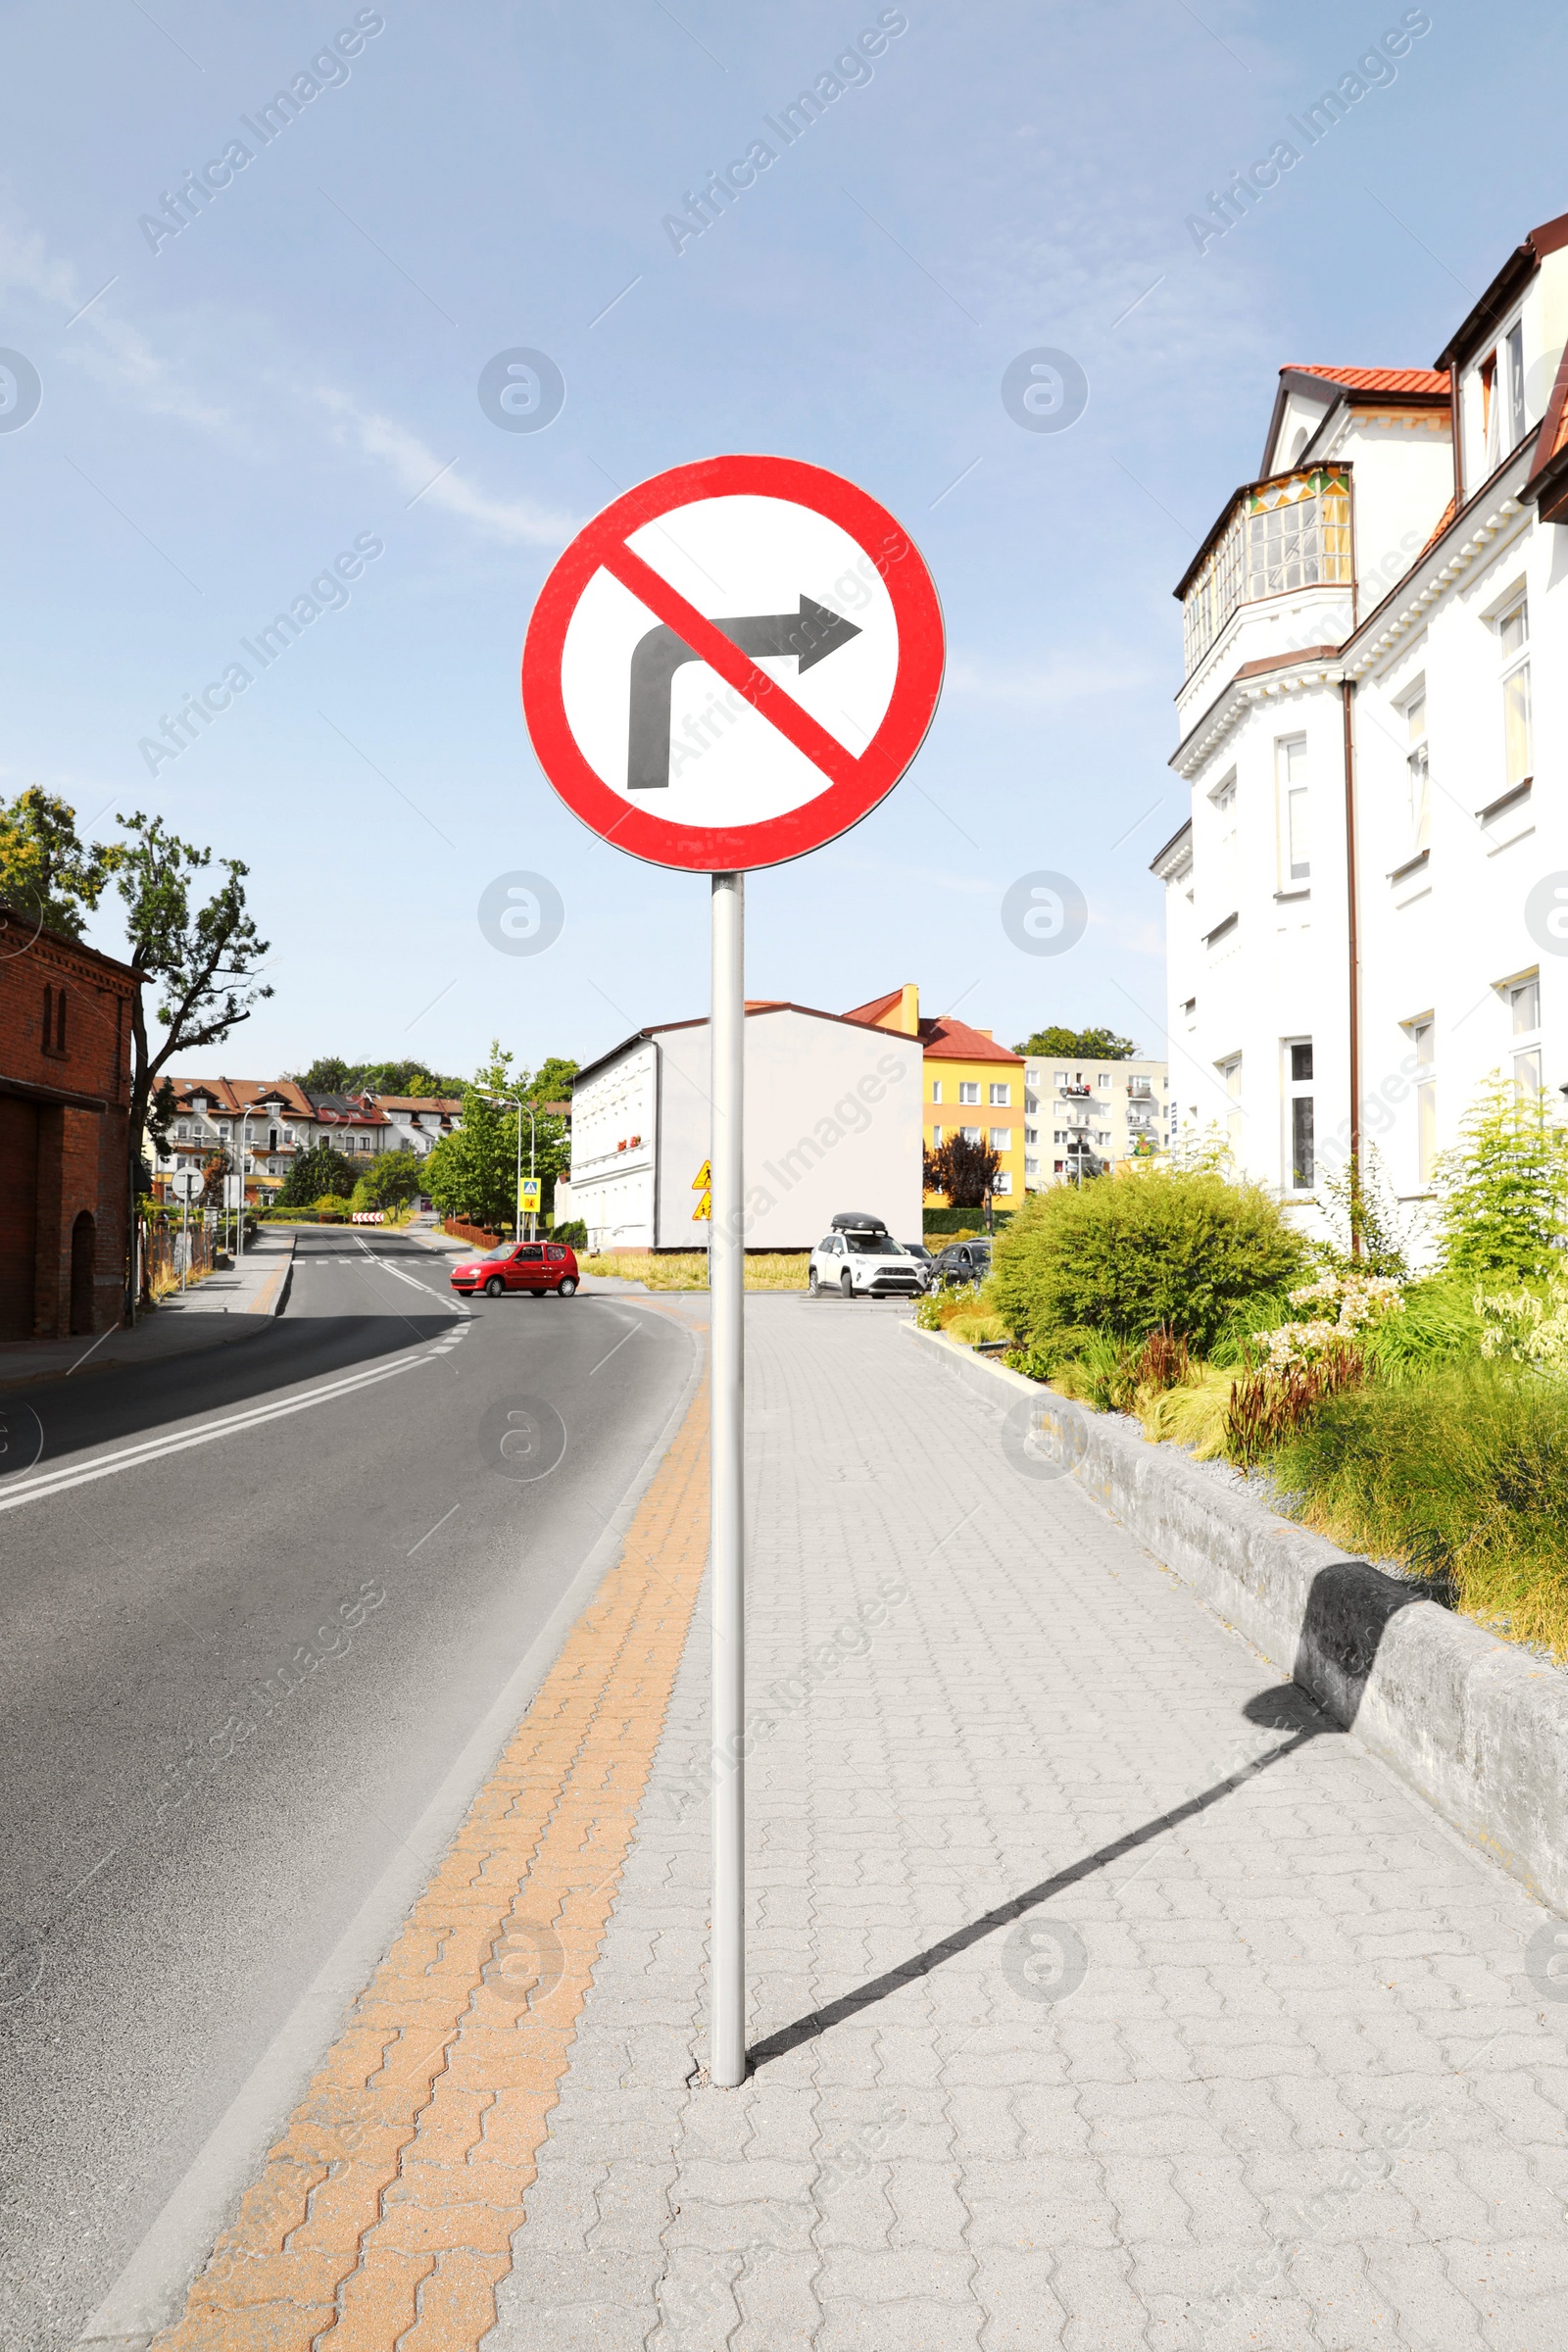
[(64, 1111)]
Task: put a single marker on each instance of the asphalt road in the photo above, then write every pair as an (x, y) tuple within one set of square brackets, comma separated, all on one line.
[(237, 1671)]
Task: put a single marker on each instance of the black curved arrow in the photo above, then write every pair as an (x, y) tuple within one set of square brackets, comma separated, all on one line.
[(809, 635)]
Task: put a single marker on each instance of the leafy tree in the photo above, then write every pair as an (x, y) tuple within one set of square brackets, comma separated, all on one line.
[(962, 1172), (472, 1173), (330, 1074), (391, 1178), (46, 871), (1503, 1190), (320, 1169), (327, 1075), (551, 1080), (203, 960), (1080, 1045), (1132, 1253), (215, 1167)]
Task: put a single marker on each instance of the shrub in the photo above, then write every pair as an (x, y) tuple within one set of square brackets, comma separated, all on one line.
[(574, 1233), (1503, 1189), (1175, 1248), (1460, 1475)]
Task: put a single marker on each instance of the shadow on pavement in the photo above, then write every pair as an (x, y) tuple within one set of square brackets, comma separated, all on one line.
[(1283, 1707), (133, 1401)]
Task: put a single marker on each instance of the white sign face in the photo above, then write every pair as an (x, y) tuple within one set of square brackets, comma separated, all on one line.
[(185, 1183), (793, 591)]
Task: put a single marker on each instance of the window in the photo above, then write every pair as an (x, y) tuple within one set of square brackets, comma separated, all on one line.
[(1231, 1072), (1000, 1097), (1513, 642), (1490, 413), (1524, 1012), (1514, 345), (1000, 1138), (970, 1135), (1291, 532), (183, 1131), (1003, 1182), (1301, 1161), (1422, 1037), (1418, 782), (968, 1089), (1031, 1135), (936, 1090), (1058, 1135), (1290, 769), (1031, 1102), (936, 1139)]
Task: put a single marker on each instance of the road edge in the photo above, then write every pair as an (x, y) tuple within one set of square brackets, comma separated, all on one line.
[(152, 2286)]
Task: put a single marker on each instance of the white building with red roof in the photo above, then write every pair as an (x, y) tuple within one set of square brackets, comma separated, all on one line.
[(1367, 909)]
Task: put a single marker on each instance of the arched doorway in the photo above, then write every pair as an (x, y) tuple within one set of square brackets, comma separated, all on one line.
[(84, 1251)]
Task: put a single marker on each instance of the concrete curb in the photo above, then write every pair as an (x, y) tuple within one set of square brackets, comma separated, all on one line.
[(273, 1297), (1479, 1727)]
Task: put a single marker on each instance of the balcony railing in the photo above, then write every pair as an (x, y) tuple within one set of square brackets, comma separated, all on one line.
[(1291, 531)]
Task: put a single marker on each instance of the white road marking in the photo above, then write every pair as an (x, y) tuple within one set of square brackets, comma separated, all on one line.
[(130, 1457)]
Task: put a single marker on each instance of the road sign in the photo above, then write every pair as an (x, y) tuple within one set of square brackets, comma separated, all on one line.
[(186, 1183), (729, 666), (732, 663), (529, 1189)]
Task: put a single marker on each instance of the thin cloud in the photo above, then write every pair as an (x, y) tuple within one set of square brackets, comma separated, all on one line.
[(431, 477), (106, 346)]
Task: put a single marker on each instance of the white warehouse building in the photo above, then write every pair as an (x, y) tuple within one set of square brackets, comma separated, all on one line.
[(832, 1122), (1367, 909)]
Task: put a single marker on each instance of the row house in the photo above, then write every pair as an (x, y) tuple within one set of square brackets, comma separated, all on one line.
[(1367, 908), (272, 1121)]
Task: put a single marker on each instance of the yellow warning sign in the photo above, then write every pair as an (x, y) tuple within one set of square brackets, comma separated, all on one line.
[(704, 1208), (703, 1177)]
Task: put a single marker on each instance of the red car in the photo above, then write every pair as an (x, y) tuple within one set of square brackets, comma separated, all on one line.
[(518, 1266)]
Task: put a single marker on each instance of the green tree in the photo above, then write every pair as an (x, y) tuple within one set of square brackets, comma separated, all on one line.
[(391, 1178), (1080, 1045), (1503, 1190), (329, 1074), (320, 1169), (202, 960), (472, 1173), (46, 871)]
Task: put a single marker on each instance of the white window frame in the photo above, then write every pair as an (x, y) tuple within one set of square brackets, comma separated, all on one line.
[(1522, 996), (1002, 1139), (1000, 1097), (1294, 799), (1417, 769), (1421, 1030), (1514, 675), (1294, 1089), (969, 1090)]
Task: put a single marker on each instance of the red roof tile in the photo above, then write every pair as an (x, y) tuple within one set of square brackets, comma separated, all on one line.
[(1428, 380), (955, 1041)]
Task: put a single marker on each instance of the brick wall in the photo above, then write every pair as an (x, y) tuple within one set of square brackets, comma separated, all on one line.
[(64, 1099)]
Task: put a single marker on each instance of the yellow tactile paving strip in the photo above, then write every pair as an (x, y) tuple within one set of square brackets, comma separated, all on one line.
[(383, 2216)]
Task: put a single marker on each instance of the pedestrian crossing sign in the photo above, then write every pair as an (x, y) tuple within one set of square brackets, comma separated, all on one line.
[(704, 1208), (529, 1189), (703, 1177)]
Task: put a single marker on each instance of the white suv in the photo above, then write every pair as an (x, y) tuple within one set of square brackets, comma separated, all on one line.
[(860, 1258)]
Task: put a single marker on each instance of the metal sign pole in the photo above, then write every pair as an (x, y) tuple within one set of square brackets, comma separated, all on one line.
[(726, 2059)]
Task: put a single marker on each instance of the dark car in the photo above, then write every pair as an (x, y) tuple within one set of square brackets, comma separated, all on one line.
[(518, 1266), (963, 1261)]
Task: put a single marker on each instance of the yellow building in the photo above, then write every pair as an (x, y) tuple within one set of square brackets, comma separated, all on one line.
[(971, 1084)]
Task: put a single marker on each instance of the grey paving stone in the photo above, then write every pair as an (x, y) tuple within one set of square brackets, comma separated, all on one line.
[(1304, 2095)]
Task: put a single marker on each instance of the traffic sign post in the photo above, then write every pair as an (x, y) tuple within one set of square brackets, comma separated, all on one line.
[(716, 729)]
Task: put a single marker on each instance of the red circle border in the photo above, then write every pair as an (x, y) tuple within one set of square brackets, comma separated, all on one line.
[(738, 848)]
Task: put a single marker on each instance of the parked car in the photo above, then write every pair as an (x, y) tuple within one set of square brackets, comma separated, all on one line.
[(963, 1262), (861, 1259), (924, 1261), (518, 1266)]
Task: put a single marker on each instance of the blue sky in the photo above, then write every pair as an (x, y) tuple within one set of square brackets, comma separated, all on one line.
[(288, 373)]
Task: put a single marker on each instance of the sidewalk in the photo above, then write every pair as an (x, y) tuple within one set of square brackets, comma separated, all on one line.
[(225, 1307), (1103, 1995)]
